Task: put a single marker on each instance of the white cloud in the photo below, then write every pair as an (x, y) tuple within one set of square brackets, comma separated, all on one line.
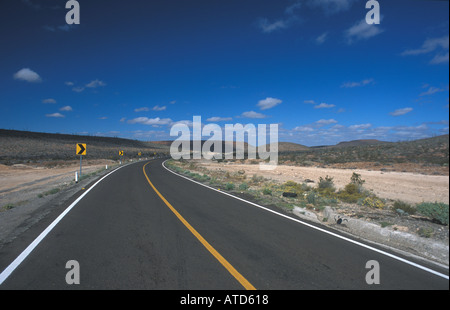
[(322, 38), (357, 84), (439, 45), (69, 83), (217, 119), (55, 115), (304, 129), (158, 108), (291, 9), (268, 27), (324, 122), (143, 109), (269, 103), (95, 84), (320, 135), (324, 106), (362, 31), (360, 127), (432, 90), (400, 112), (253, 114), (27, 75), (49, 101), (78, 89), (429, 46), (287, 21), (309, 102), (440, 59), (67, 108), (151, 121)]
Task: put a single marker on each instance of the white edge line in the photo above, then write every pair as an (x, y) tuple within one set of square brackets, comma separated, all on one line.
[(7, 272), (318, 228)]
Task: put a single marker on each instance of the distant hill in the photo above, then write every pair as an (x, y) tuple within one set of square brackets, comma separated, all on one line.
[(434, 151), (360, 143), (24, 146), (291, 147)]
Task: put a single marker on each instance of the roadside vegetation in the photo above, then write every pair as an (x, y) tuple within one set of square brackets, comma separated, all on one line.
[(315, 196)]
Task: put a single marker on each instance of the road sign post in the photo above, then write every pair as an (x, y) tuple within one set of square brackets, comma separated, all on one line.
[(81, 150), (121, 155)]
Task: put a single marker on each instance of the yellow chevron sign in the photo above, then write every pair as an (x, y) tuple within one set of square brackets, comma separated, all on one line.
[(81, 149)]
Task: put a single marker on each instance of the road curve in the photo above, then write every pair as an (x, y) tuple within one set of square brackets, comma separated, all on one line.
[(143, 227)]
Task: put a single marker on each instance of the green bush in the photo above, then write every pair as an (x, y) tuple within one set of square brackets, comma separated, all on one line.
[(425, 232), (436, 211), (267, 191), (243, 186), (405, 207), (326, 183), (351, 189), (356, 179), (312, 198), (292, 187), (350, 193), (229, 186)]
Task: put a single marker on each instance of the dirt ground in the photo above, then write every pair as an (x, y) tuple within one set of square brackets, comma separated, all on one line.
[(21, 183), (404, 186)]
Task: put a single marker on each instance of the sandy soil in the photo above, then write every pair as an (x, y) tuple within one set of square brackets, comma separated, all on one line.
[(20, 183), (404, 186)]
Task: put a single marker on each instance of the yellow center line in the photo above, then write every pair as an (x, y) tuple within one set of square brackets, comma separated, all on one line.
[(247, 285)]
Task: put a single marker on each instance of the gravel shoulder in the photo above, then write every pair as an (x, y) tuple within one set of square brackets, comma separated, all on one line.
[(29, 192)]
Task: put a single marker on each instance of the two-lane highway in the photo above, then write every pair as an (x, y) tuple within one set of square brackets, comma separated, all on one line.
[(143, 227)]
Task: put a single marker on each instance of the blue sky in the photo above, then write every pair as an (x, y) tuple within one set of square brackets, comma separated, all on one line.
[(134, 68)]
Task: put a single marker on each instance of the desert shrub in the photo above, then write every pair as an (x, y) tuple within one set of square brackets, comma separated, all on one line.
[(292, 187), (326, 183), (312, 198), (328, 193), (405, 207), (267, 191), (356, 179), (436, 211), (229, 186), (203, 178), (243, 187), (351, 189), (256, 179), (306, 187), (350, 193), (290, 184), (373, 202), (425, 232)]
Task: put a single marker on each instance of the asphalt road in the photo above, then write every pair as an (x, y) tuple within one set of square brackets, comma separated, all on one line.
[(143, 227)]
